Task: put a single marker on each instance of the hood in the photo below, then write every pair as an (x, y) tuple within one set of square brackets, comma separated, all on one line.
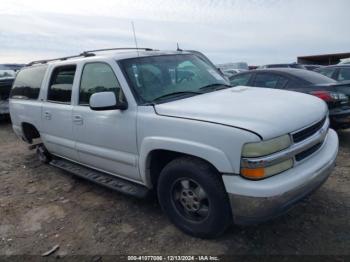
[(267, 112)]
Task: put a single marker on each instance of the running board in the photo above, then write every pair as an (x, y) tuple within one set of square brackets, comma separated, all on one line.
[(100, 178)]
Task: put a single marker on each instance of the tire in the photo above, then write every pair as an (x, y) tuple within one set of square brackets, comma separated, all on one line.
[(204, 215), (42, 153)]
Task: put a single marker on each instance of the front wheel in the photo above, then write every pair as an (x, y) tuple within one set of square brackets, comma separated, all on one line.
[(192, 195)]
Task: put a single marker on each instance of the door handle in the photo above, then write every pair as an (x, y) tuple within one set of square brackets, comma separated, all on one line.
[(47, 115), (78, 120)]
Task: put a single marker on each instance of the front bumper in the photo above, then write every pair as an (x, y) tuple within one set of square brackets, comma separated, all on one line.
[(257, 201)]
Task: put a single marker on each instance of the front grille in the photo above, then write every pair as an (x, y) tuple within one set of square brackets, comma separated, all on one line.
[(307, 132), (307, 152)]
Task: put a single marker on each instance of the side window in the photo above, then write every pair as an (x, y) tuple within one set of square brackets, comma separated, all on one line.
[(98, 77), (326, 71), (266, 80), (61, 82), (344, 74), (240, 80), (282, 82), (28, 82)]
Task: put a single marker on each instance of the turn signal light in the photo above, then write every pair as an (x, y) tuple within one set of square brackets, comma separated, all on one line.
[(256, 173)]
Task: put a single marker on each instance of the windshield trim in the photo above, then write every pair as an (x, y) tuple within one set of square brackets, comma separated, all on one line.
[(137, 97)]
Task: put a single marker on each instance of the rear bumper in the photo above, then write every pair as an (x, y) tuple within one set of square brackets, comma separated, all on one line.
[(257, 201)]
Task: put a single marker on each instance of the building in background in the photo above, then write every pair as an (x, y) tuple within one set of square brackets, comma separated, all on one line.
[(326, 59)]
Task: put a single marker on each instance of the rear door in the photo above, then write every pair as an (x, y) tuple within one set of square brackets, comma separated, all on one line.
[(57, 109)]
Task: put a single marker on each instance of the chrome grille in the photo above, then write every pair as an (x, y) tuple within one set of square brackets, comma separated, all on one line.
[(307, 152), (307, 132)]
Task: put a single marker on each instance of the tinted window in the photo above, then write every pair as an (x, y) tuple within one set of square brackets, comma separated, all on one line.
[(344, 74), (326, 71), (60, 89), (5, 88), (240, 80), (266, 80), (97, 77), (28, 82)]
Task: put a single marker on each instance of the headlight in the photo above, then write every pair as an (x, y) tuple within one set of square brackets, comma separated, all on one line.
[(267, 147), (261, 149)]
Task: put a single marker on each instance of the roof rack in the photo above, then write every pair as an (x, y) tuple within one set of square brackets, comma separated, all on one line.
[(86, 54)]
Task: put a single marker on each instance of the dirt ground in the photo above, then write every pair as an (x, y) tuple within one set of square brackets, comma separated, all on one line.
[(41, 206)]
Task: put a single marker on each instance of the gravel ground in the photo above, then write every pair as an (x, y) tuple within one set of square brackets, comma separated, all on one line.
[(41, 206)]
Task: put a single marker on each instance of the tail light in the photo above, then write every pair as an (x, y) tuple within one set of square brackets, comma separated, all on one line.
[(329, 96)]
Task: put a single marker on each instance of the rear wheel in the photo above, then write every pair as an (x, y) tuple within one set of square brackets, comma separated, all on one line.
[(192, 195)]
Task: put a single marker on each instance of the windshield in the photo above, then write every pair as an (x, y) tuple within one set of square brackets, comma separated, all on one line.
[(156, 77), (7, 73)]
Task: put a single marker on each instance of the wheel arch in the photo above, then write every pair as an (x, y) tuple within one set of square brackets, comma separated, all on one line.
[(155, 153), (30, 132)]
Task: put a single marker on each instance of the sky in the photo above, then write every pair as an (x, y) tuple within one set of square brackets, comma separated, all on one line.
[(255, 31)]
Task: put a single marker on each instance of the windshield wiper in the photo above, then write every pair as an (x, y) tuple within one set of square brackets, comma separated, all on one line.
[(176, 94), (215, 87)]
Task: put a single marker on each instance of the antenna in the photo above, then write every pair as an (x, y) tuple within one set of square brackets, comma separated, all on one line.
[(178, 48), (135, 40)]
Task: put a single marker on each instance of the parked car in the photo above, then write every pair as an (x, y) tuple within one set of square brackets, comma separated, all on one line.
[(231, 72), (291, 65), (214, 154), (6, 80), (344, 61), (312, 67), (335, 94), (337, 72)]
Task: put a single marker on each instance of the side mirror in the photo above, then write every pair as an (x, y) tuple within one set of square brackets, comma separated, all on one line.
[(106, 101)]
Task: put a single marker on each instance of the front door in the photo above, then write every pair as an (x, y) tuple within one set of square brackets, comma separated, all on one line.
[(105, 140)]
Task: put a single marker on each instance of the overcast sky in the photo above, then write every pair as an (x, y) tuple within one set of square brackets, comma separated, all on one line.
[(255, 31)]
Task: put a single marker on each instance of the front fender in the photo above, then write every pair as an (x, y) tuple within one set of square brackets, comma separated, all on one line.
[(211, 154)]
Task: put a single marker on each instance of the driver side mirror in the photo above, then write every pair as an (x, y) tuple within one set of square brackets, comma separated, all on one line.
[(106, 101)]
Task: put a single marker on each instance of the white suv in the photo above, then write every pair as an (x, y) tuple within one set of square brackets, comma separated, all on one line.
[(144, 120)]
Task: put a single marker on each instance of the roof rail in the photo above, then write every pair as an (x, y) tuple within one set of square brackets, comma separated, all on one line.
[(119, 48), (59, 59), (86, 54)]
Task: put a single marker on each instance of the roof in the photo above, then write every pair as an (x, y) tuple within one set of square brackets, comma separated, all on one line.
[(115, 54), (338, 55)]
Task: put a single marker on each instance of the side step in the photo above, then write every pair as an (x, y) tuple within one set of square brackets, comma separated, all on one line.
[(100, 178)]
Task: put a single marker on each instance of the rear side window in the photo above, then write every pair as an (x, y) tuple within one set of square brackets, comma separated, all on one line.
[(326, 71), (28, 82), (344, 74), (240, 80), (97, 77), (61, 82)]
